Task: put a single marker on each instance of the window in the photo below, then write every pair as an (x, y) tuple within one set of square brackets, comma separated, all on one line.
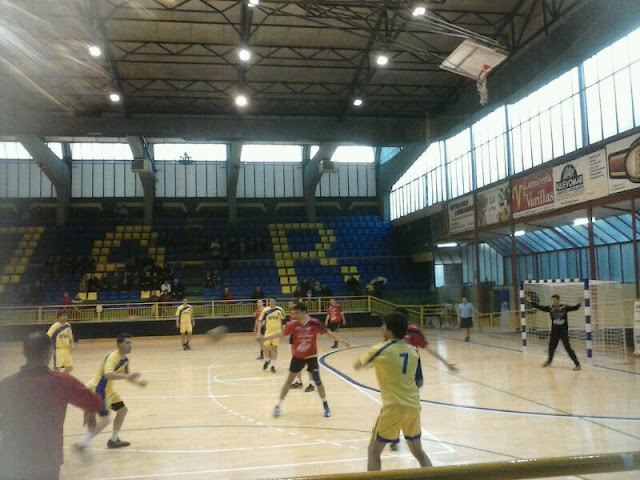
[(388, 153), (56, 148), (271, 153), (459, 168), (212, 152), (354, 154), (490, 147), (101, 151), (14, 151), (612, 96)]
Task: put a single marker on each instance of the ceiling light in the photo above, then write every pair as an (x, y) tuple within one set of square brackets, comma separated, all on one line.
[(114, 97), (254, 3), (519, 233), (357, 102), (419, 11), (244, 54), (94, 51), (447, 245), (241, 101), (582, 221), (382, 60)]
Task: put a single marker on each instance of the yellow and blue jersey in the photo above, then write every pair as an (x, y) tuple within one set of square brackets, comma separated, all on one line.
[(272, 318), (112, 362), (398, 368), (185, 314), (61, 335)]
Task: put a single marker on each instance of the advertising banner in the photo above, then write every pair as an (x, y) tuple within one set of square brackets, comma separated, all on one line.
[(494, 204), (580, 180), (461, 214), (623, 162), (533, 193)]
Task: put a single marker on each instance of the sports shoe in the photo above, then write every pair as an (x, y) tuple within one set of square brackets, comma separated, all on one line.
[(394, 446), (296, 385), (187, 347), (577, 367), (79, 447), (261, 357), (117, 444), (273, 369), (265, 366), (310, 388), (335, 345), (466, 339), (546, 364), (276, 411), (327, 412), (184, 347)]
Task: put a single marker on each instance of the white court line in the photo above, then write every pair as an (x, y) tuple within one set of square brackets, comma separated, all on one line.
[(240, 469)]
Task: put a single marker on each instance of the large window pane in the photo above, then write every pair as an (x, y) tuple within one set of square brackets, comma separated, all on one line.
[(216, 152), (271, 153), (354, 154)]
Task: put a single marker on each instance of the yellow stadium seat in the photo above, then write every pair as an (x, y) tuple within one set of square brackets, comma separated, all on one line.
[(120, 228), (286, 290), (118, 236), (137, 228), (160, 259), (145, 295), (333, 261), (92, 296), (282, 272), (330, 231), (135, 236), (313, 254), (97, 243), (324, 262), (332, 238), (14, 261), (322, 254), (5, 278), (318, 246), (15, 278), (285, 247), (117, 243), (128, 228), (1, 288), (294, 255), (288, 263), (82, 296), (10, 269), (284, 280), (327, 246), (157, 293), (99, 275), (344, 270), (28, 252), (111, 267), (119, 266), (272, 226), (36, 236), (109, 236), (154, 235), (126, 236), (276, 248), (24, 260), (153, 250), (104, 251), (144, 243), (102, 259), (353, 269), (107, 243), (144, 235), (291, 271), (322, 232), (18, 252), (278, 255), (279, 263), (288, 255), (161, 250), (26, 236), (32, 244), (293, 280), (146, 228), (20, 268), (40, 229)]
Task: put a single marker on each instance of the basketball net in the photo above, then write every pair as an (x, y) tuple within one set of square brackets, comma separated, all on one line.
[(481, 84)]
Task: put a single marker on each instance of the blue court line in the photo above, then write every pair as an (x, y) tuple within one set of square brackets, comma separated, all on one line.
[(467, 407)]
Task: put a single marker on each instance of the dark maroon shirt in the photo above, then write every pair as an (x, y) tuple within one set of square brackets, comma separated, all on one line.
[(33, 405)]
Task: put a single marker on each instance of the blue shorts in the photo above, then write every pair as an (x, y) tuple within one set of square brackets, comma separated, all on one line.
[(466, 322)]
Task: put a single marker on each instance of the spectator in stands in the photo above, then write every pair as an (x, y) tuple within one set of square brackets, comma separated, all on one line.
[(208, 281), (258, 294), (27, 296), (165, 288), (165, 297), (325, 291), (37, 294), (378, 284), (217, 279), (353, 286), (65, 301), (227, 294), (92, 283), (177, 290)]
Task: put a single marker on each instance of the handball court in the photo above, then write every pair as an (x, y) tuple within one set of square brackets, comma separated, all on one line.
[(207, 413)]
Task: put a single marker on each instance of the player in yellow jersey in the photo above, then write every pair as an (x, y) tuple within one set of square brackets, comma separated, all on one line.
[(62, 338), (185, 322), (399, 374), (114, 366), (272, 316)]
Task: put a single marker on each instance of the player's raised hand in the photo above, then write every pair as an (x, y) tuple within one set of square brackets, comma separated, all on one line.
[(132, 377), (142, 383)]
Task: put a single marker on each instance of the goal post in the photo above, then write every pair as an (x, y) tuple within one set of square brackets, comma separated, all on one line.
[(599, 322)]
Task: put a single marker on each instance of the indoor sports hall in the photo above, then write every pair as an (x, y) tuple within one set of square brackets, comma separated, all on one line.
[(200, 173)]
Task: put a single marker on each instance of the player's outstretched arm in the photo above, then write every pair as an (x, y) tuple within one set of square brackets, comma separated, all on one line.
[(450, 366), (336, 338), (358, 365), (136, 380)]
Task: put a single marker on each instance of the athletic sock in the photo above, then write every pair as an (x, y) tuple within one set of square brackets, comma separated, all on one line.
[(114, 436), (325, 404), (279, 404)]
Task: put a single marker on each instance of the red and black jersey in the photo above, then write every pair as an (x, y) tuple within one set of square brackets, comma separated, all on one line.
[(335, 314), (415, 337), (305, 336)]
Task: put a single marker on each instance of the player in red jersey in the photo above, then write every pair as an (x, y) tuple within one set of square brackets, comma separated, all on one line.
[(334, 318), (305, 331), (258, 327)]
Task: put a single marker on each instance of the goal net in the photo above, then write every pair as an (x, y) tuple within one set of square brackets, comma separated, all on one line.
[(600, 317)]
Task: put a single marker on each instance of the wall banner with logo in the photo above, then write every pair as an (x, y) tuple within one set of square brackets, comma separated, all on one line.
[(533, 193), (623, 162), (581, 180), (461, 213), (494, 204)]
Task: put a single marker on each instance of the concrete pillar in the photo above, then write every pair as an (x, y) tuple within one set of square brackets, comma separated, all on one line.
[(234, 151), (56, 170), (148, 179), (311, 173)]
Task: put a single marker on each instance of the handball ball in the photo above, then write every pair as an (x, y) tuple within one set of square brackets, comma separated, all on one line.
[(216, 334)]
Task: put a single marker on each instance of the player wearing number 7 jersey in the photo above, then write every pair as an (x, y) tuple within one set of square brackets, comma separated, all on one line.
[(399, 374)]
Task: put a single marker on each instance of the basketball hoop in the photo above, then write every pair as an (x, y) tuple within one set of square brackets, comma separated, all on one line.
[(481, 84)]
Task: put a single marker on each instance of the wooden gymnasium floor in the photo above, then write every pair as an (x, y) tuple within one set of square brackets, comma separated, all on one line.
[(206, 413)]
